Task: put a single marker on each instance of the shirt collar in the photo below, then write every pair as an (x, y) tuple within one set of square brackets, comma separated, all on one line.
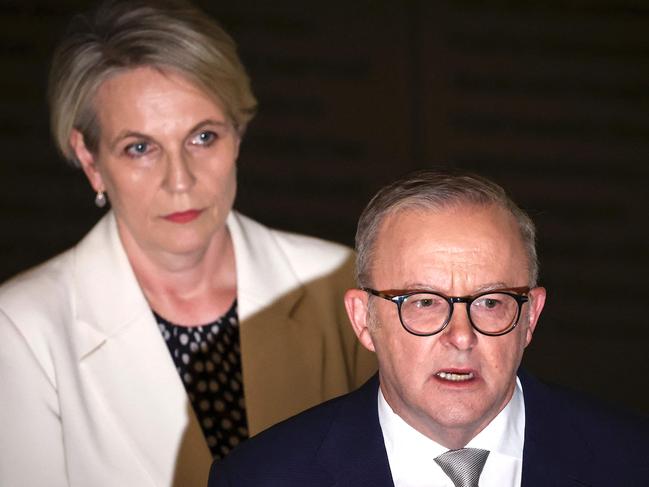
[(503, 435), (506, 432)]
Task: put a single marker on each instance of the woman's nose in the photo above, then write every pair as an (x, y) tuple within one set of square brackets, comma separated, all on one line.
[(179, 177)]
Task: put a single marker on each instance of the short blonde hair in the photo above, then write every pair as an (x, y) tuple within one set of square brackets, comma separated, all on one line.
[(124, 34)]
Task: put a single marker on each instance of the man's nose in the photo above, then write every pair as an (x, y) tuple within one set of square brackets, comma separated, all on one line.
[(459, 333)]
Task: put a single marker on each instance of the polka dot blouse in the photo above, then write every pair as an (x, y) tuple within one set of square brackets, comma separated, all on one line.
[(208, 359)]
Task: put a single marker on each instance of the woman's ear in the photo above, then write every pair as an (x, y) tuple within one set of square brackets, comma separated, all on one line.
[(87, 160)]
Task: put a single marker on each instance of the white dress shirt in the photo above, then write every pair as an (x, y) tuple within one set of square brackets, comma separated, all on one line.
[(411, 454)]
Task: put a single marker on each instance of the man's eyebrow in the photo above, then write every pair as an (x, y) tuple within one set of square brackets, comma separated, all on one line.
[(419, 286), (492, 286)]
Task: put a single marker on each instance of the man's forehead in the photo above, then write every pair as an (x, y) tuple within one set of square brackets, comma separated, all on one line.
[(462, 236), (457, 219)]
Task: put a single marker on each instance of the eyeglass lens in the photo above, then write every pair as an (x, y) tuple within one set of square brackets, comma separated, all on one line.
[(427, 313)]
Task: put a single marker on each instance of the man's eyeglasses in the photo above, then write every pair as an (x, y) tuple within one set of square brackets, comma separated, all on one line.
[(491, 313)]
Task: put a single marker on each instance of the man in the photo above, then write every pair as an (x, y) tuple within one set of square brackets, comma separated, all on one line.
[(448, 301)]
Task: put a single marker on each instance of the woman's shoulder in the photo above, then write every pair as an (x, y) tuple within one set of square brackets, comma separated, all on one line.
[(45, 287), (39, 304), (296, 243), (44, 282), (308, 247), (302, 252), (32, 307)]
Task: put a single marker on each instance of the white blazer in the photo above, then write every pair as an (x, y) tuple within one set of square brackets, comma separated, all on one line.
[(89, 395)]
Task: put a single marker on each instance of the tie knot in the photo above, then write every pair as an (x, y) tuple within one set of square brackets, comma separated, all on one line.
[(463, 466)]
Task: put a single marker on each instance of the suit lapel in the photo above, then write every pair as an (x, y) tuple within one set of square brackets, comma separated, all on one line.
[(132, 387), (553, 453), (353, 451)]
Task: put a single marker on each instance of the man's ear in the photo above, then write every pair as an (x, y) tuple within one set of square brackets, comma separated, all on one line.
[(356, 302), (87, 160), (536, 303)]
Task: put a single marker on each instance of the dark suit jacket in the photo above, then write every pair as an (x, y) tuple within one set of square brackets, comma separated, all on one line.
[(569, 441)]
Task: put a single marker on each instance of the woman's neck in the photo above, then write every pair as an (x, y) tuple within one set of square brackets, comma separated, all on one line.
[(188, 289)]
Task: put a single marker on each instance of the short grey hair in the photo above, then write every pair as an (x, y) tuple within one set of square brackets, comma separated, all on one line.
[(436, 190), (125, 34)]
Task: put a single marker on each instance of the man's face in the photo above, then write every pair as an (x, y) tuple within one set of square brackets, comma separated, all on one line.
[(458, 251)]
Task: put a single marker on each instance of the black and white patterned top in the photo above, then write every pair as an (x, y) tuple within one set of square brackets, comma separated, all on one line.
[(208, 359)]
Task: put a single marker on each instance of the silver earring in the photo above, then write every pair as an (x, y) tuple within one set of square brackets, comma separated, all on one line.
[(100, 199)]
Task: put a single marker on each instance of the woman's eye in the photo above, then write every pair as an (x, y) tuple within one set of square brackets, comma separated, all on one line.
[(138, 149), (206, 138)]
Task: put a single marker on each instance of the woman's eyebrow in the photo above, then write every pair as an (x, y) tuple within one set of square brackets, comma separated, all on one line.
[(125, 134), (209, 121)]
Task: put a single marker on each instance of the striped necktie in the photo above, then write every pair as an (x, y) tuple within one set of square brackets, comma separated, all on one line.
[(463, 466)]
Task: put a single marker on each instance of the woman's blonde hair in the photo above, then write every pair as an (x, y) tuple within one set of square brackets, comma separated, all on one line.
[(124, 34)]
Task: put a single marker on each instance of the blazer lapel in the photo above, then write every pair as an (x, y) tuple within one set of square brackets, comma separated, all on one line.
[(553, 454), (268, 292), (126, 372), (354, 451), (264, 275)]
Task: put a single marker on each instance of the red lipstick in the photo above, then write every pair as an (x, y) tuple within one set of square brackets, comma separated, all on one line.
[(183, 216)]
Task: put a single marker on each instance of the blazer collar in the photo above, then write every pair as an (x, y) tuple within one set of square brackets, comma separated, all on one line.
[(103, 277), (108, 296), (553, 452), (265, 276), (125, 360), (353, 451)]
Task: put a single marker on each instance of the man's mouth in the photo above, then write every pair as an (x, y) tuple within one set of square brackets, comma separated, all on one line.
[(455, 376)]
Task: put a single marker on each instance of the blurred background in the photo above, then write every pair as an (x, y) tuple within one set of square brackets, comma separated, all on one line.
[(550, 99)]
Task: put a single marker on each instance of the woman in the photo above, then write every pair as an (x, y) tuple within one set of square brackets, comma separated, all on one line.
[(176, 327)]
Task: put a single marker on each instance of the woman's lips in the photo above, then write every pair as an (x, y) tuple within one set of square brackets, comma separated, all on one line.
[(183, 216)]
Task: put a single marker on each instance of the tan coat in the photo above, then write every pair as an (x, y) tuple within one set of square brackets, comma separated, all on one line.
[(89, 393)]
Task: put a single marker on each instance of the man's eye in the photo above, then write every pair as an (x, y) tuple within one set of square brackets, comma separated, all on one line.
[(206, 138), (424, 303), (488, 303)]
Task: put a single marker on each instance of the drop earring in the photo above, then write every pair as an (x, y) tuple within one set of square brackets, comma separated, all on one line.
[(100, 199)]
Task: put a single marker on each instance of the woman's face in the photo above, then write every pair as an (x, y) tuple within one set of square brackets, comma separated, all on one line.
[(166, 159)]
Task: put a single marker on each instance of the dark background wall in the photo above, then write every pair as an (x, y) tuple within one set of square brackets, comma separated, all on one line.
[(548, 98)]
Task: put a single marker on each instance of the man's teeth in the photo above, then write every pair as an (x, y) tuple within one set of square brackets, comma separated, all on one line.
[(454, 377)]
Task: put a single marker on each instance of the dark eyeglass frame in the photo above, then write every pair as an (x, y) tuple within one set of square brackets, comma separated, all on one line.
[(518, 293)]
